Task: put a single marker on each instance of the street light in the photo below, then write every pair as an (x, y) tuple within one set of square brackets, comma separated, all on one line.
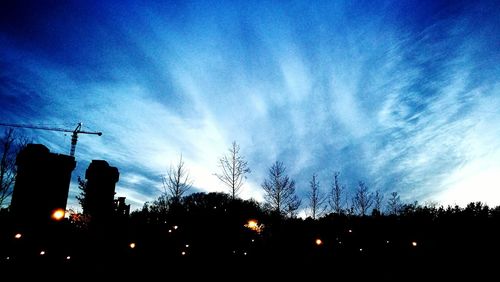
[(57, 214)]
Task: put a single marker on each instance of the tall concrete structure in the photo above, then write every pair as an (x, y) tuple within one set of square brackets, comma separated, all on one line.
[(101, 181), (42, 183)]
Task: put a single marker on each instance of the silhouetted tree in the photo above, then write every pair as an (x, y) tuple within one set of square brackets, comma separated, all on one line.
[(394, 204), (336, 199), (233, 169), (10, 144), (82, 196), (159, 208), (316, 198), (363, 199), (279, 191), (378, 198), (177, 181)]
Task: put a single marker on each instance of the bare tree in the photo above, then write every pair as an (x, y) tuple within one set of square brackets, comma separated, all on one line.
[(394, 204), (10, 144), (280, 191), (378, 198), (362, 200), (336, 199), (317, 199), (177, 181), (233, 169)]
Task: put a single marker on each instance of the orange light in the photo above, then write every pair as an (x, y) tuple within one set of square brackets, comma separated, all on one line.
[(58, 214), (254, 225), (18, 236), (414, 244), (319, 242), (132, 245)]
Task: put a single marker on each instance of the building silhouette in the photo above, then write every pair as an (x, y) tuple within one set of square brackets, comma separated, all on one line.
[(101, 181), (121, 209), (42, 184)]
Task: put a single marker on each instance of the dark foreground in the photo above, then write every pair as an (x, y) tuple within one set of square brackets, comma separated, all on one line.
[(379, 248)]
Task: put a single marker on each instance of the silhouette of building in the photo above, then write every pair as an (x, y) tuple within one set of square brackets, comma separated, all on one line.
[(121, 209), (42, 183), (101, 181)]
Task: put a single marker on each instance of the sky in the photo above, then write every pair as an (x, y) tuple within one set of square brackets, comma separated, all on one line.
[(402, 95)]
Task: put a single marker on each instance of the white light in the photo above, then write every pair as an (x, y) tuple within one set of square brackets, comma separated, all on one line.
[(350, 230), (170, 231), (253, 240), (7, 258), (319, 242), (414, 244), (42, 253), (187, 245), (387, 241), (68, 257), (132, 245), (175, 227), (183, 253), (245, 253), (18, 236), (360, 249)]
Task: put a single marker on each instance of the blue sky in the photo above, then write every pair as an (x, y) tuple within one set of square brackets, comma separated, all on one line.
[(403, 95)]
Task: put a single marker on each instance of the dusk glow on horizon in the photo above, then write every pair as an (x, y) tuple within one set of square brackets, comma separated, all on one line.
[(402, 95)]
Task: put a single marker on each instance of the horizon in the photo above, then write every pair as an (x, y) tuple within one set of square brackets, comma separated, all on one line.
[(401, 96)]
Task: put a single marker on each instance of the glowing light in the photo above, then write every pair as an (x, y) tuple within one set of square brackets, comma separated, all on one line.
[(387, 242), (132, 245), (319, 242), (414, 243), (7, 258), (57, 214), (183, 253), (245, 253), (170, 231), (187, 245), (360, 249), (68, 257), (175, 227), (253, 240), (254, 225), (42, 253), (18, 236), (350, 230)]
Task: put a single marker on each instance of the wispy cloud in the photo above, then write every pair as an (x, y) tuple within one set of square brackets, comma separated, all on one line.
[(401, 97)]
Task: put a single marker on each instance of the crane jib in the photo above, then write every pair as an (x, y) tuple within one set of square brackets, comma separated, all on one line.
[(74, 136)]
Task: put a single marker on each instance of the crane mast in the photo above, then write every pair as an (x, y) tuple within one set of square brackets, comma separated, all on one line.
[(74, 132)]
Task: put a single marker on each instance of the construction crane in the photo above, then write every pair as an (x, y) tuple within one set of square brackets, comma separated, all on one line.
[(74, 135)]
